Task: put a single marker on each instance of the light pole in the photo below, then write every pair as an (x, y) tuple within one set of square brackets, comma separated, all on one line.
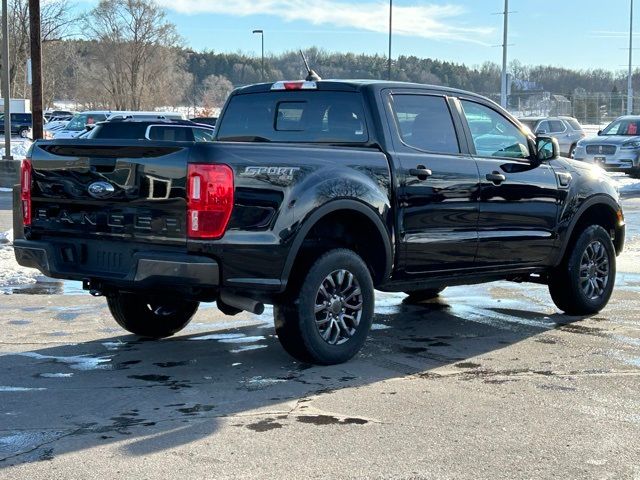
[(6, 89), (629, 76), (390, 31), (503, 79), (261, 32), (36, 68)]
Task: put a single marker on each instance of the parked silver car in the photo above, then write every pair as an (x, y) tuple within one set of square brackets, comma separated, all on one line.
[(616, 148), (567, 130)]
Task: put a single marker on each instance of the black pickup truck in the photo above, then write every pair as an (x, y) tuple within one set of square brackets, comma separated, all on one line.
[(313, 194)]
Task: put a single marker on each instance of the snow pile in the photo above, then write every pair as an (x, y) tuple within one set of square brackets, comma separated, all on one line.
[(12, 274), (19, 148), (627, 185)]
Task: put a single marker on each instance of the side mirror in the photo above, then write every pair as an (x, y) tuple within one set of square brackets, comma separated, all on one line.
[(599, 132), (88, 127), (547, 148)]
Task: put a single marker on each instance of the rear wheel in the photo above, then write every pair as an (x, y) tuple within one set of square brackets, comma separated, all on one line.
[(327, 316), (417, 296), (583, 283), (23, 133), (572, 149), (150, 315)]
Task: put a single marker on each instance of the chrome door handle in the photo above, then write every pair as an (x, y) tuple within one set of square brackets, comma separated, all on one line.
[(496, 177), (421, 172)]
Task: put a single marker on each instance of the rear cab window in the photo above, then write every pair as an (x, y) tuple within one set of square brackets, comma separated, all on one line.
[(313, 116)]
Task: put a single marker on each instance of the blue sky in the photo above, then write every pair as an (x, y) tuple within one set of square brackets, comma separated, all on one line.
[(571, 33)]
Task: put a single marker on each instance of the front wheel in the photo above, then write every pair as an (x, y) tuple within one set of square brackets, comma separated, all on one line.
[(327, 316), (150, 315), (583, 283), (23, 133)]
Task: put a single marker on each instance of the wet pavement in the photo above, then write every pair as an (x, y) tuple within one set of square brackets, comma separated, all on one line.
[(486, 381)]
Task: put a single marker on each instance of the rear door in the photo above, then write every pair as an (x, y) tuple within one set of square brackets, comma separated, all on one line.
[(518, 200), (437, 183)]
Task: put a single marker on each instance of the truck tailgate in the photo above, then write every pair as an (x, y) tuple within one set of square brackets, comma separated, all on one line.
[(132, 191)]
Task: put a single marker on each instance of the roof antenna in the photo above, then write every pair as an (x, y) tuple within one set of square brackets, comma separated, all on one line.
[(311, 75)]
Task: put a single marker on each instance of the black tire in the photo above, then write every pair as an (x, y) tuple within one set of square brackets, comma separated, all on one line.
[(572, 149), (592, 253), (149, 315), (300, 327), (635, 173), (417, 296), (23, 132)]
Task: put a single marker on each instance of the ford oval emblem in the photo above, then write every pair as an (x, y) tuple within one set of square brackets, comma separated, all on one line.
[(101, 190)]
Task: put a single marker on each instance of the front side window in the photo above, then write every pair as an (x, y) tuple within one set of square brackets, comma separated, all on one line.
[(425, 123), (629, 127), (493, 134), (79, 121)]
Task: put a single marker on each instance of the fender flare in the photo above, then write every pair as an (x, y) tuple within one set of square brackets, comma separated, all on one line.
[(599, 199), (334, 206)]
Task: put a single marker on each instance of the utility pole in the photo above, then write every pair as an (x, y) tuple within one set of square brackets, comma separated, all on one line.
[(261, 32), (390, 35), (503, 82), (6, 89), (630, 75), (36, 68)]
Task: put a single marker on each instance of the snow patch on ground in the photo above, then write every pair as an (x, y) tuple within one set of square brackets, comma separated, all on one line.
[(77, 362), (12, 274), (246, 348), (4, 388), (56, 375)]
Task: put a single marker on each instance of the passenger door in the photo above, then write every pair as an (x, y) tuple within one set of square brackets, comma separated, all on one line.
[(518, 198), (437, 184)]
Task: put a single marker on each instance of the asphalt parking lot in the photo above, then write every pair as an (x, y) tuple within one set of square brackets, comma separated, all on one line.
[(487, 381)]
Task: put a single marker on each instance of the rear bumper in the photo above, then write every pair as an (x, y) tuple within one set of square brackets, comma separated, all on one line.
[(145, 269)]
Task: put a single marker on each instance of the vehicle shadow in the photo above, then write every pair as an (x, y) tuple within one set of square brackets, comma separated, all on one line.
[(163, 394)]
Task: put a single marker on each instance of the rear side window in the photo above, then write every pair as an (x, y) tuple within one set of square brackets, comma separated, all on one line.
[(574, 124), (121, 130), (202, 135), (425, 123), (295, 116), (556, 126), (170, 134)]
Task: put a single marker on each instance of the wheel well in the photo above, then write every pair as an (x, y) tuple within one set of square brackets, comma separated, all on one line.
[(598, 214), (343, 229)]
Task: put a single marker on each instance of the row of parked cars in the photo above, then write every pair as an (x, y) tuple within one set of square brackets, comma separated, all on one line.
[(616, 148)]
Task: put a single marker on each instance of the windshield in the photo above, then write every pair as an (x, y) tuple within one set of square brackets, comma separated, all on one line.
[(79, 120), (295, 116), (630, 127)]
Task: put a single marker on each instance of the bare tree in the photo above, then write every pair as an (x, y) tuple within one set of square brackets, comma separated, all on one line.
[(57, 24), (214, 91), (134, 59)]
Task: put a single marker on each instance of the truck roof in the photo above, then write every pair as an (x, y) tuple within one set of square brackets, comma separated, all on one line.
[(356, 84)]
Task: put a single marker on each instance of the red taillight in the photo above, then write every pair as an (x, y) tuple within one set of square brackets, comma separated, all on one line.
[(25, 190), (210, 200)]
